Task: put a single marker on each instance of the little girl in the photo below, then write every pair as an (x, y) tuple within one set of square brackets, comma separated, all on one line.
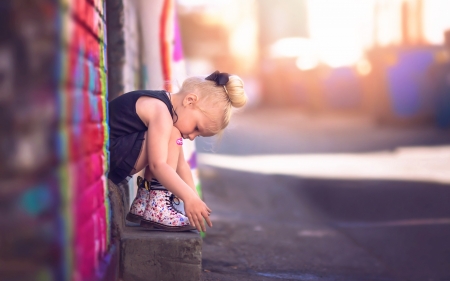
[(147, 129)]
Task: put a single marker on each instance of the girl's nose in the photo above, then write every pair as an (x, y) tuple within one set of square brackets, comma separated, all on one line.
[(193, 136)]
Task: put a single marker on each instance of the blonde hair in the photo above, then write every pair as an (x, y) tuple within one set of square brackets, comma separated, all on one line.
[(223, 98)]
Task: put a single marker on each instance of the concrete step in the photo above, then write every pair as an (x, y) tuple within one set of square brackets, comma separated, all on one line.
[(152, 255)]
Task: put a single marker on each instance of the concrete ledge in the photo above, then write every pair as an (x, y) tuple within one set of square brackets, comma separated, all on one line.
[(153, 255), (157, 255)]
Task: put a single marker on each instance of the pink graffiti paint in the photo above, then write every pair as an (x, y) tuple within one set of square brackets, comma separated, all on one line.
[(178, 48)]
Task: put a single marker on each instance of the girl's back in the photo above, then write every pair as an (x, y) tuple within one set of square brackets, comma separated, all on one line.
[(123, 119)]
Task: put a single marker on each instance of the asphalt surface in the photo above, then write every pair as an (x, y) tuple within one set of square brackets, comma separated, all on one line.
[(281, 227)]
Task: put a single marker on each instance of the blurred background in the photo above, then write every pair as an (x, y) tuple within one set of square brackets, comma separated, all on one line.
[(383, 59), (338, 168)]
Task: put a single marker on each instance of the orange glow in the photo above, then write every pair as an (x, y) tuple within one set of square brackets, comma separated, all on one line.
[(306, 62), (343, 30), (243, 39), (340, 32), (295, 47), (291, 47), (363, 67), (387, 22)]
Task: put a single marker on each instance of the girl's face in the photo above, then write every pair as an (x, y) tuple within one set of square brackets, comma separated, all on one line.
[(192, 122)]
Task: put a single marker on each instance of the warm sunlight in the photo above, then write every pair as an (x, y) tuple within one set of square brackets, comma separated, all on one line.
[(436, 20), (344, 30), (303, 49), (340, 29), (429, 164)]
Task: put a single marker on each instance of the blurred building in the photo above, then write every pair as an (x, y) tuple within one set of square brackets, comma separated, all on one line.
[(222, 35), (363, 57), (355, 57)]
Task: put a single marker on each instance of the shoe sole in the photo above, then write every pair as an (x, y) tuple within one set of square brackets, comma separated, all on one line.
[(134, 218), (156, 225)]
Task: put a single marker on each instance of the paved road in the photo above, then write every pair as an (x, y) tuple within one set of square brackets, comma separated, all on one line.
[(283, 227)]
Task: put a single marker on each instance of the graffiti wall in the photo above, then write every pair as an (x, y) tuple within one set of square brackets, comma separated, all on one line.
[(83, 136), (54, 141)]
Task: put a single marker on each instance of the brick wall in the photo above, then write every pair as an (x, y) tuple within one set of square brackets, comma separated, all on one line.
[(54, 139), (84, 135)]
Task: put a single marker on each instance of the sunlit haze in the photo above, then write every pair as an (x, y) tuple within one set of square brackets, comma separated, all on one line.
[(431, 164)]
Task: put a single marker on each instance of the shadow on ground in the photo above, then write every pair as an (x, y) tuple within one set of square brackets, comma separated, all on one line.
[(272, 227), (269, 227)]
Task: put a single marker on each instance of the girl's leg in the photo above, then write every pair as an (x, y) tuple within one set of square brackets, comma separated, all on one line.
[(172, 157), (160, 209)]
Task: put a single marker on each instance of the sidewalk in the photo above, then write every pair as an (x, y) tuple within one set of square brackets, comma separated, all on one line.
[(282, 210)]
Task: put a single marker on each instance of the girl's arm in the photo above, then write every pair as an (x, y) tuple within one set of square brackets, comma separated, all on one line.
[(159, 130), (184, 171)]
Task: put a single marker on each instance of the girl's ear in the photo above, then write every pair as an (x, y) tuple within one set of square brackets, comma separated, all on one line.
[(190, 99)]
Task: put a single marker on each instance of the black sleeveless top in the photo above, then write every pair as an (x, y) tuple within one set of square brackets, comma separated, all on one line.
[(127, 131), (123, 119)]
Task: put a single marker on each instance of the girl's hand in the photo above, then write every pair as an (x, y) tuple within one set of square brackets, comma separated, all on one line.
[(196, 210)]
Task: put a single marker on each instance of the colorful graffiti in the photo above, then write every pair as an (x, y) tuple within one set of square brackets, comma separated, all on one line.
[(54, 141), (83, 137)]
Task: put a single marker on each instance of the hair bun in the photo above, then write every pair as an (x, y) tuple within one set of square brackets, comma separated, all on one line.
[(236, 92)]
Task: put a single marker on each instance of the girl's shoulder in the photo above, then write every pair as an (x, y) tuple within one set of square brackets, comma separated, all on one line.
[(150, 97), (158, 94), (148, 107), (158, 99), (134, 95)]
